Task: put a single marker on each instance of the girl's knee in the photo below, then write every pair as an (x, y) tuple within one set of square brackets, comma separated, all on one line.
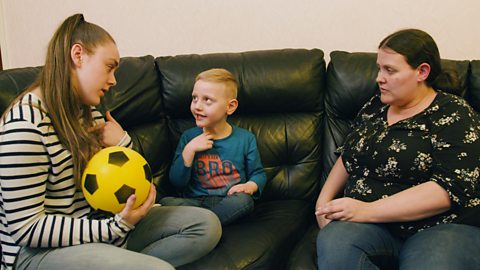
[(168, 201), (174, 201), (210, 225)]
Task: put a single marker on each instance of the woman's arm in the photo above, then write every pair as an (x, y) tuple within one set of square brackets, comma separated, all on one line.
[(335, 182), (415, 203)]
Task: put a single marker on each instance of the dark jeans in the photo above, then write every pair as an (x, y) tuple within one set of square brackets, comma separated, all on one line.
[(228, 208), (350, 245)]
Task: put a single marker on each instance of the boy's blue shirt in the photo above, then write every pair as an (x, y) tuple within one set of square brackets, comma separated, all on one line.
[(232, 160)]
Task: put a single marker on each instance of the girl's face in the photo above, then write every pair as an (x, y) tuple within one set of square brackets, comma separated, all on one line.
[(95, 72), (397, 80)]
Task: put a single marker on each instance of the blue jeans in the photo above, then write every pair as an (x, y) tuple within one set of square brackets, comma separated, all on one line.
[(228, 208), (164, 238), (350, 245)]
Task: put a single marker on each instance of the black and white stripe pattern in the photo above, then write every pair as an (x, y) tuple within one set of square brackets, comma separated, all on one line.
[(39, 204)]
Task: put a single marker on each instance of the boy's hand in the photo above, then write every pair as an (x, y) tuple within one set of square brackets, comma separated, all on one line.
[(200, 143), (248, 188)]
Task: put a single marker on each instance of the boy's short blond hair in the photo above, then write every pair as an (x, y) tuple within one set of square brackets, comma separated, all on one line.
[(220, 75)]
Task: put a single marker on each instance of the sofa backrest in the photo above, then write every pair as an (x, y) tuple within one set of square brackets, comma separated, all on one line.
[(14, 81), (280, 100), (136, 103), (474, 85), (299, 111), (280, 95)]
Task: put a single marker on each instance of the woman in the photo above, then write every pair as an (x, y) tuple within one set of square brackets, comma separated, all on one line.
[(408, 170), (47, 136)]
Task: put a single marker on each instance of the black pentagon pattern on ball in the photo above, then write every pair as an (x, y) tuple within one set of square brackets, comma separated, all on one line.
[(123, 193), (117, 158), (91, 184), (148, 172)]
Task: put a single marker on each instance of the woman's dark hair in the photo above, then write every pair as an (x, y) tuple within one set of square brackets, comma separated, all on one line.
[(419, 47)]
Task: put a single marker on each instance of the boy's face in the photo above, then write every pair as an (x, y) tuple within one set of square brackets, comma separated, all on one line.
[(211, 104)]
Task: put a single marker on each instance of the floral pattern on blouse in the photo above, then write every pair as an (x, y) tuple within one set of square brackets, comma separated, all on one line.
[(440, 144)]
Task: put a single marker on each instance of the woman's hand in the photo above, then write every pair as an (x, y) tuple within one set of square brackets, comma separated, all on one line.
[(322, 220), (133, 216), (345, 209), (336, 180)]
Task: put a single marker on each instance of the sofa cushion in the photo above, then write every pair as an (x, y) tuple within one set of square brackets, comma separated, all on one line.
[(474, 85), (261, 241), (135, 102), (280, 100), (304, 256), (135, 99), (14, 81), (350, 83)]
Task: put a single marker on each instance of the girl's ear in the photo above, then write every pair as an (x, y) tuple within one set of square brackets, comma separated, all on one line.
[(76, 54), (232, 106), (423, 71)]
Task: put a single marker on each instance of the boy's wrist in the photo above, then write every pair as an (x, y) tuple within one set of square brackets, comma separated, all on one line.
[(253, 186), (187, 156)]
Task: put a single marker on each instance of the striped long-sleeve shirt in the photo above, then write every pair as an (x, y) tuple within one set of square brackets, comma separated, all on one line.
[(39, 203)]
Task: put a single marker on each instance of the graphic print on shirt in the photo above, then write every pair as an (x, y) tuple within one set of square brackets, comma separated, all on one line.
[(214, 173)]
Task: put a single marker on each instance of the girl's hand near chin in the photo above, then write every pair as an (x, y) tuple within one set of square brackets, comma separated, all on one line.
[(110, 133)]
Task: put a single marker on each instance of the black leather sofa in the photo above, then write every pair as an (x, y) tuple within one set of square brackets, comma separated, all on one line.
[(299, 110)]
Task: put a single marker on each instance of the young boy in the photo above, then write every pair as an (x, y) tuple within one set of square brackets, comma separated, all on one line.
[(217, 164)]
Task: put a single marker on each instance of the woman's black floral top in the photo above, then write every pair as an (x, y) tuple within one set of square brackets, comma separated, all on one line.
[(441, 144)]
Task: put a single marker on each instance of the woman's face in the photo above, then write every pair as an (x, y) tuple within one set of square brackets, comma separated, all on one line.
[(95, 73), (397, 80)]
